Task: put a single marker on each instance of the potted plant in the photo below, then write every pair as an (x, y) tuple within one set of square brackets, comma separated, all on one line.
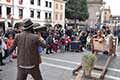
[(88, 61)]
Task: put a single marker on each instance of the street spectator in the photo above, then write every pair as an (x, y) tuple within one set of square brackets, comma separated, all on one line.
[(49, 44), (28, 57), (9, 44), (2, 48), (99, 35), (55, 45), (17, 30), (62, 44), (83, 38), (119, 37), (1, 60), (18, 27), (10, 31), (68, 42)]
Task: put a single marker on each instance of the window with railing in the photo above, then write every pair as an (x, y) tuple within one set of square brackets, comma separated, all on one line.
[(8, 9), (56, 16), (50, 4), (56, 6), (46, 3), (50, 16), (32, 13), (20, 13), (32, 2), (46, 15), (61, 7), (61, 17), (20, 2), (39, 2), (38, 14)]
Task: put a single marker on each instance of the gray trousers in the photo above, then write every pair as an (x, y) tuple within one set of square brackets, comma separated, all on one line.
[(34, 72)]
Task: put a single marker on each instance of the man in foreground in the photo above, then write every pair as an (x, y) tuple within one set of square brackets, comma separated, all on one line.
[(28, 57)]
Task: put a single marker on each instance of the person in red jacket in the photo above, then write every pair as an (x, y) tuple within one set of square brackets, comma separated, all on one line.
[(9, 44), (10, 41)]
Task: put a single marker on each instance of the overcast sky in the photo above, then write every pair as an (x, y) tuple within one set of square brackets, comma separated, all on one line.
[(115, 6)]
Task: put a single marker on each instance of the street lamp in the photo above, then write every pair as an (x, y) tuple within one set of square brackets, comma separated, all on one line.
[(65, 20)]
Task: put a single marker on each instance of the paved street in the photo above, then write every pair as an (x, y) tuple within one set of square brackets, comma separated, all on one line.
[(59, 66)]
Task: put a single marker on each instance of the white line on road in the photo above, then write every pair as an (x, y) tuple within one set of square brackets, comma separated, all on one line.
[(61, 60), (57, 66), (68, 68), (76, 63), (118, 55)]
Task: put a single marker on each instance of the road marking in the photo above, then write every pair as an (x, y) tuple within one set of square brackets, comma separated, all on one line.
[(60, 60), (76, 63), (118, 55), (70, 69), (58, 66)]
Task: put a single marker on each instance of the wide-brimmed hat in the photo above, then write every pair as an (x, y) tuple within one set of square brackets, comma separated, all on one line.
[(27, 24)]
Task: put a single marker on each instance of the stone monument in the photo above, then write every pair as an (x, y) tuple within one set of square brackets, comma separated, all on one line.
[(93, 8)]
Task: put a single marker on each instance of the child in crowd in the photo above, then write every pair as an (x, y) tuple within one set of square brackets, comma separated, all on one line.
[(62, 44), (9, 45), (55, 46)]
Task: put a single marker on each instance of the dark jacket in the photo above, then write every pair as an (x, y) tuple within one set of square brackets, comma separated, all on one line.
[(27, 48)]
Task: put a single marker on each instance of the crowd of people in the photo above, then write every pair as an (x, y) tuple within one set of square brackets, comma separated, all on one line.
[(54, 39), (6, 41), (61, 40)]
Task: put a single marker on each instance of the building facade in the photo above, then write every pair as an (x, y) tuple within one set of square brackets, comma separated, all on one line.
[(40, 11), (59, 13)]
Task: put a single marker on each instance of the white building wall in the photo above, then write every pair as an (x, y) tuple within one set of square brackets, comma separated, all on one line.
[(26, 10), (16, 12), (4, 11), (59, 12)]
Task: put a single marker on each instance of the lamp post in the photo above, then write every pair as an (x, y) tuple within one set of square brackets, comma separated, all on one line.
[(65, 20)]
